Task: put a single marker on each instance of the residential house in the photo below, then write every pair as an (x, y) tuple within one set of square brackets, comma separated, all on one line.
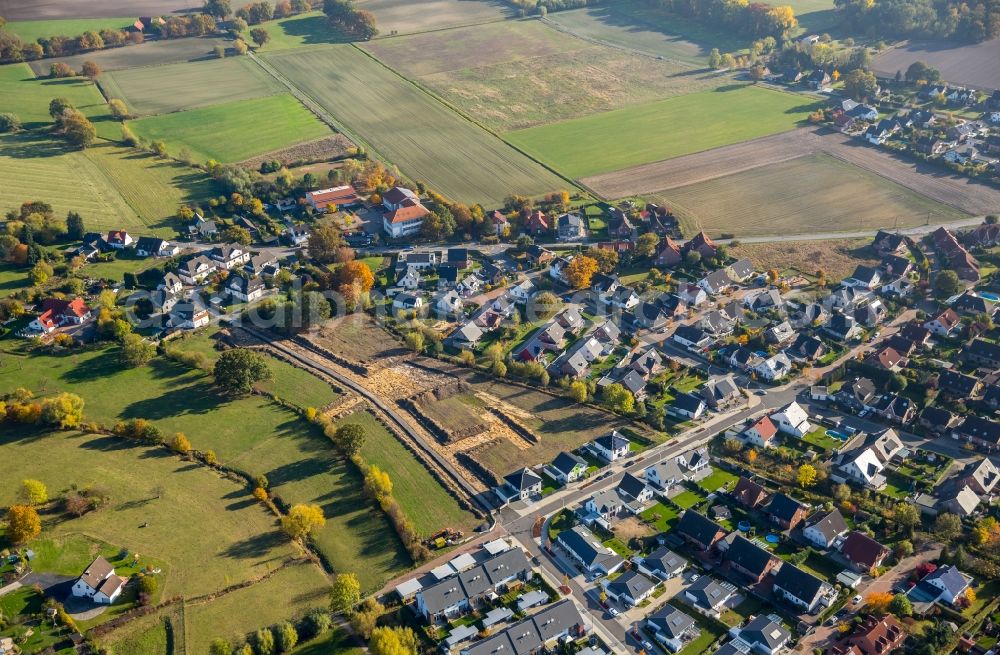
[(59, 312), (691, 337), (449, 303), (748, 493), (978, 430), (824, 528), (557, 268), (780, 334), (807, 347), (630, 588), (894, 265), (792, 420), (576, 361), (625, 298), (404, 214), (895, 408), (155, 247), (717, 324), (863, 552), (716, 282), (886, 359), (466, 336), (801, 589), (119, 239), (818, 79), (762, 433), (605, 505), (959, 500), (774, 368), (877, 635), (957, 258), (764, 635), (981, 476), (958, 385), (567, 467), (721, 392), (842, 327), (889, 243), (262, 264), (741, 270), (189, 315), (538, 256), (537, 223), (708, 595), (704, 246), (585, 547), (688, 406), (408, 302), (785, 511), (982, 353), (469, 286), (195, 270), (522, 291), (915, 333), (499, 222), (170, 283), (973, 304), (696, 461), (611, 447), (665, 474), (857, 395), (244, 289), (669, 254), (468, 590), (749, 560), (951, 582), (672, 627), (570, 227), (411, 279), (662, 563), (540, 632), (937, 420), (99, 583), (698, 530), (522, 484), (945, 324), (864, 277)]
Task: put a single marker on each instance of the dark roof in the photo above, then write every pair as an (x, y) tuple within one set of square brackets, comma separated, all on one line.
[(566, 462), (587, 547), (937, 416), (632, 583), (749, 492), (710, 593), (765, 631), (631, 485), (981, 428), (830, 524), (748, 556), (798, 583), (670, 621), (698, 527), (688, 402), (784, 507), (663, 559), (522, 479), (861, 549)]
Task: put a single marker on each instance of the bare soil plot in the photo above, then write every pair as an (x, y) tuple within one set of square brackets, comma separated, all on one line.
[(407, 17), (358, 338), (976, 65), (188, 85), (324, 149), (813, 193), (38, 9), (150, 53), (837, 257), (547, 89), (926, 179), (461, 413)]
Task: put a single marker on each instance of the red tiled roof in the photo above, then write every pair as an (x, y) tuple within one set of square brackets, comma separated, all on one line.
[(407, 213), (765, 427), (117, 235), (341, 195), (62, 307), (862, 550)]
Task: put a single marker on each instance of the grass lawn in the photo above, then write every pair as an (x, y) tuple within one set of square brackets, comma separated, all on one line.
[(29, 602), (118, 267), (32, 30), (424, 501), (291, 592), (234, 131), (897, 486), (334, 642), (650, 132), (751, 606), (836, 194), (12, 278), (821, 567), (183, 86), (662, 516), (687, 499), (147, 634), (563, 520), (29, 99), (820, 439), (709, 633), (428, 141), (718, 479), (204, 531)]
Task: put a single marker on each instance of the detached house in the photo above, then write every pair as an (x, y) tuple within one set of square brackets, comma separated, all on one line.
[(662, 563), (762, 433), (708, 595), (945, 324), (58, 312), (119, 239), (630, 588), (785, 511), (748, 493), (99, 583), (195, 270), (567, 467), (792, 420), (672, 627), (823, 529), (585, 547), (611, 447), (863, 552), (404, 214), (228, 256), (522, 484), (801, 589), (244, 289)]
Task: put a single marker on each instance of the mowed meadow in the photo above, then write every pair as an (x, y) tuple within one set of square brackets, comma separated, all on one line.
[(664, 129), (810, 194), (403, 124)]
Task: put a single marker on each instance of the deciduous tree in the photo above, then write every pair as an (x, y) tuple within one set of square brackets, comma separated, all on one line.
[(136, 351), (393, 641), (345, 592), (350, 438), (580, 271), (806, 476), (301, 520), (238, 369), (90, 70), (23, 524), (34, 492)]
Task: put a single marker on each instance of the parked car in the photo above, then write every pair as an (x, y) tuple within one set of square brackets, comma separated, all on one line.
[(613, 611), (856, 600)]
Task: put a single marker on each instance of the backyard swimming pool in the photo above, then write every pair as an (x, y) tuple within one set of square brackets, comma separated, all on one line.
[(837, 435), (772, 538), (744, 526), (992, 297)]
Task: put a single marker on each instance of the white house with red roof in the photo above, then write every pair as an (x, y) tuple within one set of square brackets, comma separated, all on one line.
[(120, 239), (57, 312), (404, 213), (761, 433)]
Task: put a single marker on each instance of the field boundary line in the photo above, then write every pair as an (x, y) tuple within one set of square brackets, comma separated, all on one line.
[(590, 39), (389, 37), (461, 114)]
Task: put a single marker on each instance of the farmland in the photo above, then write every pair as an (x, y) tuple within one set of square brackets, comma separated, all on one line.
[(150, 53), (22, 94), (310, 28), (205, 531), (645, 133), (422, 498), (149, 634), (31, 30), (188, 85), (837, 257), (504, 63), (974, 65), (35, 167), (15, 10), (813, 193), (411, 129), (404, 17), (233, 131)]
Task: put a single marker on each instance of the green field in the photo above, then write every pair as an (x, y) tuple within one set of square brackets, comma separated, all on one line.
[(250, 434), (32, 30), (424, 501), (176, 87), (150, 53), (290, 593), (487, 72), (310, 28), (22, 94), (12, 278), (207, 531), (36, 167), (814, 193), (661, 130), (148, 634), (424, 138), (234, 131)]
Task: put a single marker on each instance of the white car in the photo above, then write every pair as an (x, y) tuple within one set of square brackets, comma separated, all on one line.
[(613, 612), (856, 600)]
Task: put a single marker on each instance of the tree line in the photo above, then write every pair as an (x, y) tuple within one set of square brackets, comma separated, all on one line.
[(963, 20), (755, 20)]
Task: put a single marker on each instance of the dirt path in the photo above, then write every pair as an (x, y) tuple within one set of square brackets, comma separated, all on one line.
[(928, 180)]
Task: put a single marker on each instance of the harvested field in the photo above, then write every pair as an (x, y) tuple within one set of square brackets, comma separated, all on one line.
[(488, 71), (427, 140), (643, 133), (926, 179), (633, 26), (407, 17), (974, 65), (66, 9), (150, 53), (461, 414), (234, 131), (837, 257), (31, 30), (320, 150), (176, 87), (812, 193)]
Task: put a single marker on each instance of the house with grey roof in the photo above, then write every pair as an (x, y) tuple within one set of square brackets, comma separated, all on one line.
[(522, 484), (611, 447), (567, 467), (765, 635), (721, 391), (662, 563), (950, 583), (665, 474), (586, 548), (630, 588), (803, 590), (672, 627), (461, 593), (709, 596), (534, 634), (823, 528)]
